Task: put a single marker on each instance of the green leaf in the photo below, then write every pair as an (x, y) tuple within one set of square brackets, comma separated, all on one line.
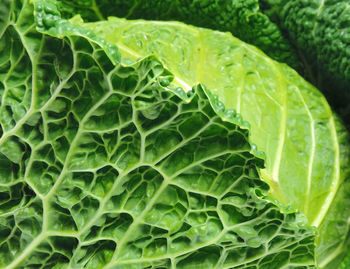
[(306, 147), (307, 153), (320, 31), (113, 175), (242, 18)]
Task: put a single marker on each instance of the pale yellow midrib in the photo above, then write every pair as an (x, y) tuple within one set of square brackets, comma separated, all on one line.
[(335, 184), (312, 155), (283, 123)]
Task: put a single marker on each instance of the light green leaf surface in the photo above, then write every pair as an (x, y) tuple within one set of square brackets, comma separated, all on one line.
[(113, 167), (243, 18)]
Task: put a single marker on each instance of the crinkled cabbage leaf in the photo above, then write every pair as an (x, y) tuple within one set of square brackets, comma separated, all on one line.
[(107, 165), (320, 30), (307, 155), (112, 157), (243, 18)]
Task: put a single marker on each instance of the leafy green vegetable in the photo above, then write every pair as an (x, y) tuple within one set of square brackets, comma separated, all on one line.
[(307, 154), (242, 18), (122, 144), (109, 165), (321, 32), (321, 28)]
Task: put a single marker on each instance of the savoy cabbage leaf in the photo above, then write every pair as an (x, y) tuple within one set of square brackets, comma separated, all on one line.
[(307, 154), (243, 18), (108, 165), (320, 30)]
